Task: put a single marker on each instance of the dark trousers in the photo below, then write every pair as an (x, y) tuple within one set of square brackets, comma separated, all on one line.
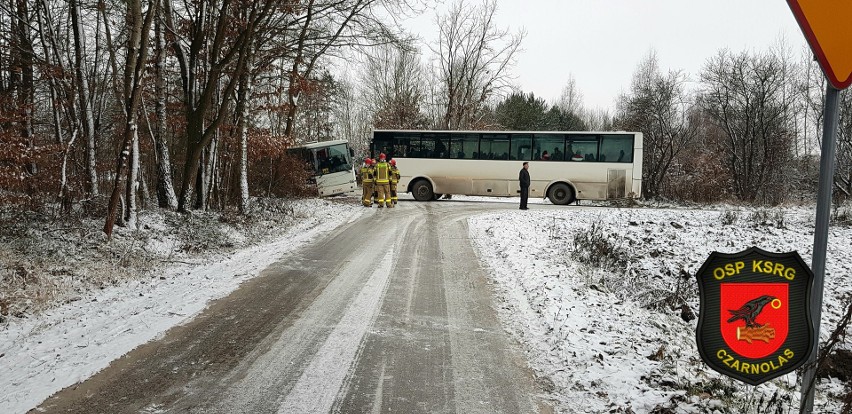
[(525, 194)]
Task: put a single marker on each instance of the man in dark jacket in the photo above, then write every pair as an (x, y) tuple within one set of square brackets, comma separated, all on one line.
[(524, 178)]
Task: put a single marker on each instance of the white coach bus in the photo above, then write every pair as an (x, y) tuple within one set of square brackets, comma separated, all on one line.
[(564, 166), (331, 166)]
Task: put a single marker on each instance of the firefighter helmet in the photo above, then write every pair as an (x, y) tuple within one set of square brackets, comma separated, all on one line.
[(393, 162), (373, 161), (368, 161), (382, 156)]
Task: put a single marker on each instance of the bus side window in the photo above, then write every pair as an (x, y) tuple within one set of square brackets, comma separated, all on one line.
[(548, 143), (440, 150), (464, 146), (617, 148), (399, 151), (434, 145), (405, 144), (521, 148), (427, 146), (585, 148), (497, 146)]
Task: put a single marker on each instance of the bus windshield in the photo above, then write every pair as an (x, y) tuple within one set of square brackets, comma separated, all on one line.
[(331, 159)]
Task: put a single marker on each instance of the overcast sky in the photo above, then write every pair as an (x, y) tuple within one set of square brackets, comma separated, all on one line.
[(600, 42)]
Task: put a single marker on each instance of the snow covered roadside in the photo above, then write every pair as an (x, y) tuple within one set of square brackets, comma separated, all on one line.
[(603, 338), (44, 354)]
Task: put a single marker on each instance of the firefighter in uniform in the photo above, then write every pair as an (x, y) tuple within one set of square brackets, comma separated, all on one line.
[(367, 183), (394, 179), (375, 194), (382, 180)]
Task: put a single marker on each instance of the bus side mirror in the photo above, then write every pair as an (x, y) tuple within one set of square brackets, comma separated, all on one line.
[(351, 152)]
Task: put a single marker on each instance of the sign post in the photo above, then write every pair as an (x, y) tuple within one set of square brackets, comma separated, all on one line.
[(826, 182), (825, 24)]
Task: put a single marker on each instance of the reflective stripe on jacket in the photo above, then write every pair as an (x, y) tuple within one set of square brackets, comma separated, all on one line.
[(382, 172), (366, 175), (394, 174)]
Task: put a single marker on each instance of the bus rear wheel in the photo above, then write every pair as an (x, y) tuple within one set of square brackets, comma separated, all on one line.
[(561, 194), (422, 190)]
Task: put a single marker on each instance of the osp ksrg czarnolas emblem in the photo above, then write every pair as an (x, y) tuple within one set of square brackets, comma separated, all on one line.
[(755, 319)]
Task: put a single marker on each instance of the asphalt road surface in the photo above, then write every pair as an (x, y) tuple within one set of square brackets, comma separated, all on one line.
[(389, 314)]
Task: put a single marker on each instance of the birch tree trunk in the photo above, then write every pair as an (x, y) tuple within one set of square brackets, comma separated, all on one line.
[(243, 97), (131, 209), (166, 197), (83, 95), (145, 196), (64, 191), (214, 173), (210, 172), (244, 185)]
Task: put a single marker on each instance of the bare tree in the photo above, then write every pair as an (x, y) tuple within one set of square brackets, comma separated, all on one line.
[(843, 164), (59, 88), (244, 113), (328, 26), (314, 122), (597, 119), (658, 106), (745, 96), (392, 88), (137, 55), (354, 122), (813, 86), (212, 58), (295, 42), (571, 99), (82, 85), (21, 87), (473, 59), (166, 197), (71, 76), (843, 156)]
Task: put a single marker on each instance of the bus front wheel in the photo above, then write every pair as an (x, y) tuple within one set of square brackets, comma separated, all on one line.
[(422, 190), (561, 194)]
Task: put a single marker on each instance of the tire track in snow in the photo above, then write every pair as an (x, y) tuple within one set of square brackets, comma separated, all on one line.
[(317, 388)]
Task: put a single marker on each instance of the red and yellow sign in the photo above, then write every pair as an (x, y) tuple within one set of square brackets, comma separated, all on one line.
[(755, 320), (826, 25)]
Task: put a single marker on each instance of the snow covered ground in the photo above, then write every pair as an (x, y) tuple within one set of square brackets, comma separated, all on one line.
[(602, 336), (44, 354), (596, 334)]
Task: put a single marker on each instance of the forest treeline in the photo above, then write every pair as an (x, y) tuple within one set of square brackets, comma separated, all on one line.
[(110, 106)]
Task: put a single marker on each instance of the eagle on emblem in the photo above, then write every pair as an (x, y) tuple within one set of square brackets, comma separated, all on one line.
[(749, 311)]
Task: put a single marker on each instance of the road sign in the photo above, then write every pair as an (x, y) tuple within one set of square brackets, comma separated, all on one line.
[(755, 318), (826, 25)]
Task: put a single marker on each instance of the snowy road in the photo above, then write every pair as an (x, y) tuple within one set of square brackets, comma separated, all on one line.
[(390, 313)]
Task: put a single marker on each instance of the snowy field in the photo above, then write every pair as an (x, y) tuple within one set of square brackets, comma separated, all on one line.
[(600, 330), (595, 331)]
